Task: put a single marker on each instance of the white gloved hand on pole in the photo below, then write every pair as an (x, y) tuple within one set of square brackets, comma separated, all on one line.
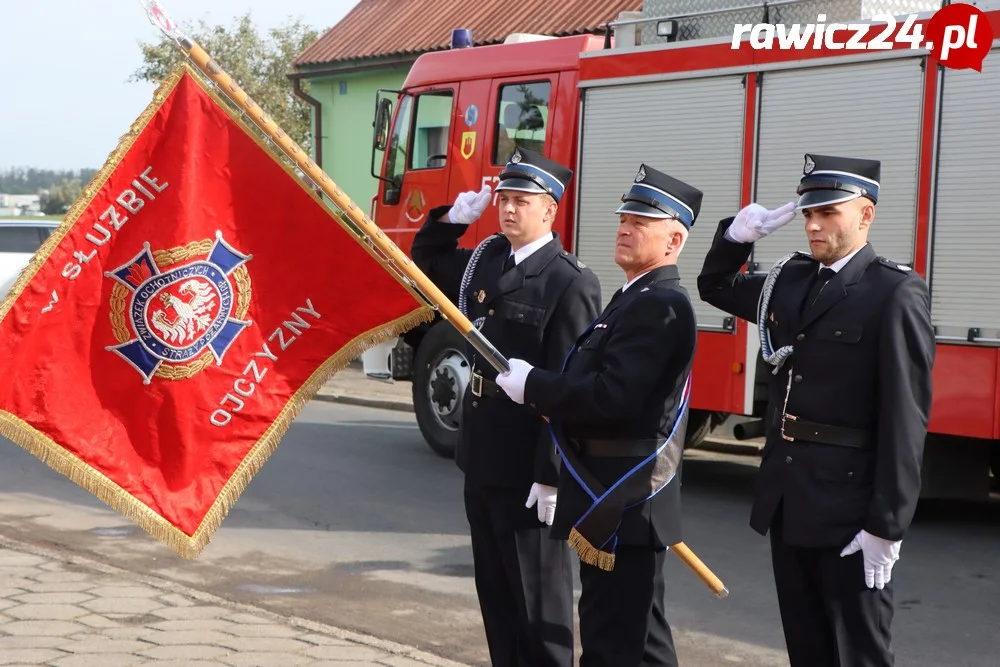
[(754, 222), (513, 382), (545, 497), (879, 557), (469, 206)]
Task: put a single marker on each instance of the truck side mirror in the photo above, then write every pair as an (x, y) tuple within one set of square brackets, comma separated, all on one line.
[(383, 113)]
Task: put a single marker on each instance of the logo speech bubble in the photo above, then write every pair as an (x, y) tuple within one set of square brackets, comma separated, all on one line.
[(959, 36)]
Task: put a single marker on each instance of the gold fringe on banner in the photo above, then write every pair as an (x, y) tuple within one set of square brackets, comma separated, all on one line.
[(68, 464), (590, 554), (109, 492)]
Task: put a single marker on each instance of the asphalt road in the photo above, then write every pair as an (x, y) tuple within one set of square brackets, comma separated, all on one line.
[(355, 522)]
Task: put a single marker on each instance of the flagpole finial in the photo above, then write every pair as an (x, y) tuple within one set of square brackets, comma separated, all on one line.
[(158, 17)]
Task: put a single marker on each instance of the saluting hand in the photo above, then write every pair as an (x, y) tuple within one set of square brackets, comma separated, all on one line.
[(469, 206), (879, 556), (754, 222), (513, 382)]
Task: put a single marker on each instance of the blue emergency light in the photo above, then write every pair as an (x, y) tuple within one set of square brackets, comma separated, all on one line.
[(461, 38)]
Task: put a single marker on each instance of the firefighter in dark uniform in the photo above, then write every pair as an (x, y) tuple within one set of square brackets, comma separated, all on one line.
[(618, 415), (530, 298), (849, 344)]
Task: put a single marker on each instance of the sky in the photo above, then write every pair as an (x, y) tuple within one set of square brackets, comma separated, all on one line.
[(65, 98)]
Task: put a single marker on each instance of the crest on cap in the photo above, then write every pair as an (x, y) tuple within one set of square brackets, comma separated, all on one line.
[(809, 165), (516, 157), (655, 194)]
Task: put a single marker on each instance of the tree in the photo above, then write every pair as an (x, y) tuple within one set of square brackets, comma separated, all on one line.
[(59, 198), (257, 63), (30, 181)]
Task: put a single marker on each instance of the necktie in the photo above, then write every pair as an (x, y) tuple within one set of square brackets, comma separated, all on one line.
[(825, 274), (508, 263)]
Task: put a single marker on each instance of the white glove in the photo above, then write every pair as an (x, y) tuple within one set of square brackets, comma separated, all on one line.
[(879, 554), (545, 496), (513, 381), (469, 206), (754, 222)]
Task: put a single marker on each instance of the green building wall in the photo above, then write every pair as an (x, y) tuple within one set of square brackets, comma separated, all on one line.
[(348, 107)]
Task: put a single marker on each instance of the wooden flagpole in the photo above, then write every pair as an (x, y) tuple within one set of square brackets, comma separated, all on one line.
[(395, 259)]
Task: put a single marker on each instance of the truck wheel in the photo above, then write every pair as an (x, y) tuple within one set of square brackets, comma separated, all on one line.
[(700, 424), (441, 373)]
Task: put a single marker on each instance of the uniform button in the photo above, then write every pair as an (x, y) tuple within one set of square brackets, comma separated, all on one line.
[(490, 312), (520, 316), (850, 474), (475, 404), (800, 337), (798, 378), (533, 405), (788, 459), (838, 334)]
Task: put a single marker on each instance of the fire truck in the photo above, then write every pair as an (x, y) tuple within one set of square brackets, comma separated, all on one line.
[(734, 117)]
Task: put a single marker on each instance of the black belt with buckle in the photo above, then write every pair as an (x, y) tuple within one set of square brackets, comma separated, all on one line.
[(613, 448), (793, 428), (483, 387)]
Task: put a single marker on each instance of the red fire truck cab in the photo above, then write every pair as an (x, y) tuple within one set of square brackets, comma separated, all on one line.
[(736, 122)]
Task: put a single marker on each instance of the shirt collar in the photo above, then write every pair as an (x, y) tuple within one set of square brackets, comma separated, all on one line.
[(626, 285), (840, 263), (526, 252)]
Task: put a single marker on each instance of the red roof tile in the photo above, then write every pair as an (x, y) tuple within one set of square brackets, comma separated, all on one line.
[(379, 28)]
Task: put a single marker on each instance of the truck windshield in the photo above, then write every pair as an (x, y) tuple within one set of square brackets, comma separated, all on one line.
[(399, 143)]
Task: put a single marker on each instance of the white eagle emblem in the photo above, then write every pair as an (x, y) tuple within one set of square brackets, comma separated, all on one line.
[(192, 316)]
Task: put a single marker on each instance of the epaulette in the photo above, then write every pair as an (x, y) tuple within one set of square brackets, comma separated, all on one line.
[(902, 268), (572, 261)]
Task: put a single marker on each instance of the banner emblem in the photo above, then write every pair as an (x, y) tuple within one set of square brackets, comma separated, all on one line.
[(166, 310)]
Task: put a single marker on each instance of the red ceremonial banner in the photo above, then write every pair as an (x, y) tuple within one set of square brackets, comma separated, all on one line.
[(197, 295)]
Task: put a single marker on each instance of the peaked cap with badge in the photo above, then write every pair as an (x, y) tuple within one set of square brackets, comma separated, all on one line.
[(828, 179), (528, 171), (657, 195)]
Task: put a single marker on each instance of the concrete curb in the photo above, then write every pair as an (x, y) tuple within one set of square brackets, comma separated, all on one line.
[(719, 446), (401, 650), (383, 403)]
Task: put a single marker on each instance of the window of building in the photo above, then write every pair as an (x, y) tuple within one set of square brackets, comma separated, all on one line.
[(522, 118), (431, 130)]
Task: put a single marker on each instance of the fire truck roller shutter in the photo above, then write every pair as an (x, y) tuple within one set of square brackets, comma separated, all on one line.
[(868, 110), (965, 282), (689, 128)]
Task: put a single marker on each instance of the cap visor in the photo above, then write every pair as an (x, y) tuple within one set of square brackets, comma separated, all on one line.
[(520, 185), (645, 210), (815, 198)]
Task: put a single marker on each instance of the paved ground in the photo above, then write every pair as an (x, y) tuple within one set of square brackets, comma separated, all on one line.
[(67, 611), (402, 568)]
